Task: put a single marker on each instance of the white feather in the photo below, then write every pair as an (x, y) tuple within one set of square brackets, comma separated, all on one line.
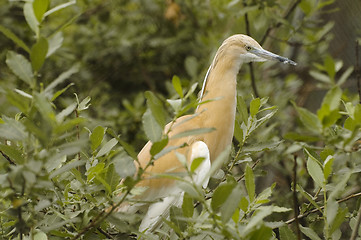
[(159, 210)]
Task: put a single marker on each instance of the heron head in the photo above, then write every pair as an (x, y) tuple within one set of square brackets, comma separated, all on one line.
[(248, 50)]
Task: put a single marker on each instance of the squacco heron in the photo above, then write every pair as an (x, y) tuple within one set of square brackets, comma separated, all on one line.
[(220, 84)]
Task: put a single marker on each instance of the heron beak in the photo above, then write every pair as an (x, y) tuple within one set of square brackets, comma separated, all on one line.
[(271, 56)]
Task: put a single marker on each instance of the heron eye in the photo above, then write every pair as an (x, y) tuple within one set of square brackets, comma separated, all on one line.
[(248, 48)]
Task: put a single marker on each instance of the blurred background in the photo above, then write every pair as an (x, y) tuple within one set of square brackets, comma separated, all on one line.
[(126, 47)]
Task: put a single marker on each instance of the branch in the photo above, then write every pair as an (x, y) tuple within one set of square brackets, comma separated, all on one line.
[(358, 71), (357, 227), (7, 158), (248, 31), (322, 207), (295, 200), (285, 16)]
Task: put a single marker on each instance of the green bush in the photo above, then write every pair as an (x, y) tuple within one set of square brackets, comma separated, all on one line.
[(72, 105)]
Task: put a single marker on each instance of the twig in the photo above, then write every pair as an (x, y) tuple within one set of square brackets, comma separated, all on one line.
[(253, 166), (358, 71), (357, 226), (101, 217), (7, 158), (295, 200), (322, 207), (248, 31), (285, 16), (104, 233)]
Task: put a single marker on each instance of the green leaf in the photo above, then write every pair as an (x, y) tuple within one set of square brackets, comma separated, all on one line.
[(18, 100), (9, 34), (238, 132), (127, 147), (60, 79), (231, 204), (124, 165), (65, 112), (21, 67), (94, 171), (40, 7), (327, 166), (187, 205), (196, 162), (107, 147), (68, 124), (310, 233), (262, 232), (249, 181), (157, 147), (175, 104), (306, 7), (341, 185), (156, 107), (192, 132), (112, 178), (96, 137), (242, 109), (243, 204), (345, 76), (315, 171), (151, 127), (67, 167), (12, 129), (38, 53), (220, 195), (193, 190), (59, 7), (220, 160), (320, 77), (300, 137), (339, 219), (254, 106), (327, 117), (55, 43), (83, 105), (286, 233), (330, 67), (44, 107), (308, 197), (260, 214), (262, 146), (177, 85), (36, 131), (331, 210), (309, 120), (39, 235), (191, 66), (13, 153), (31, 18), (333, 98)]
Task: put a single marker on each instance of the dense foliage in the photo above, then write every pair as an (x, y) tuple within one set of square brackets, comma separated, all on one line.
[(75, 110)]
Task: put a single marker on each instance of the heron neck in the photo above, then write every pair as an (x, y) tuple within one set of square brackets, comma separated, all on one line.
[(220, 88), (219, 113)]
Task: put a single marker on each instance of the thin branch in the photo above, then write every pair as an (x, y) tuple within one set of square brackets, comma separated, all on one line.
[(101, 216), (253, 167), (357, 226), (248, 31), (358, 71), (7, 158), (295, 200), (104, 233), (285, 16), (322, 207)]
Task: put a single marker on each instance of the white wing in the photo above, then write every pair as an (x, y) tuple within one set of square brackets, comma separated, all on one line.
[(200, 149), (159, 210)]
